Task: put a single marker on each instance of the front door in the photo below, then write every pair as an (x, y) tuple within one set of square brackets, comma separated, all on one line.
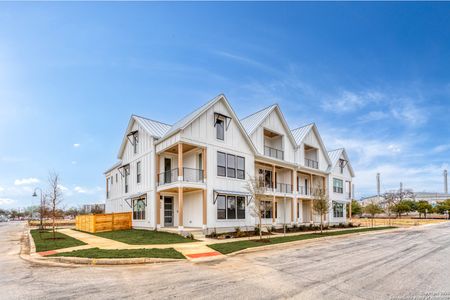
[(168, 211)]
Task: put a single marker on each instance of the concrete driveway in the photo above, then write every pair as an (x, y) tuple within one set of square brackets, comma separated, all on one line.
[(412, 262)]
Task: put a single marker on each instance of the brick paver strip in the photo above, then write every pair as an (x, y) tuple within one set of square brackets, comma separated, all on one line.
[(45, 253), (197, 255)]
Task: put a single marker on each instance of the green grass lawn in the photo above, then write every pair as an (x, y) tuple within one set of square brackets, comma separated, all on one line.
[(123, 253), (143, 237), (226, 248), (44, 242)]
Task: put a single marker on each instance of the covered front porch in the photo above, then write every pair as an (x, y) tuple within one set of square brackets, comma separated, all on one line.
[(181, 208)]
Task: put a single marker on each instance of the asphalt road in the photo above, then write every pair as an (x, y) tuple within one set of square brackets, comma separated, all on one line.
[(413, 263)]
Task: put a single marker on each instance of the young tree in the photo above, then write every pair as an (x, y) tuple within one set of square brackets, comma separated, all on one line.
[(372, 209), (423, 207), (256, 188), (321, 205), (54, 197), (402, 207), (356, 208)]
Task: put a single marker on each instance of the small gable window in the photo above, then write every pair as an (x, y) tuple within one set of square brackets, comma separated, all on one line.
[(220, 129)]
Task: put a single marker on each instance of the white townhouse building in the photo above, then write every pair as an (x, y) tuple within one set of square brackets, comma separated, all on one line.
[(194, 173)]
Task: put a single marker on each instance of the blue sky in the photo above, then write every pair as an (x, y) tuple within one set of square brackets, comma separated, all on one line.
[(374, 77)]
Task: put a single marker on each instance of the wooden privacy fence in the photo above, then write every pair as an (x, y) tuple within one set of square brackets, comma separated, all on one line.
[(104, 222)]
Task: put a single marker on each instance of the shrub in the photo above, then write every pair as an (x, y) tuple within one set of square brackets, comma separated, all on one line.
[(341, 225), (257, 230)]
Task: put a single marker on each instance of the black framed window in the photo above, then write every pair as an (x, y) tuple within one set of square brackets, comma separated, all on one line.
[(240, 207), (338, 210), (240, 173), (231, 207), (135, 143), (231, 166), (221, 164), (221, 207), (138, 172), (126, 170), (220, 129), (139, 209), (338, 185)]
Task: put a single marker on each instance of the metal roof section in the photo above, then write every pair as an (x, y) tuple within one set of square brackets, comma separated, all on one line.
[(181, 124), (301, 132), (250, 123), (153, 128), (117, 164), (334, 156)]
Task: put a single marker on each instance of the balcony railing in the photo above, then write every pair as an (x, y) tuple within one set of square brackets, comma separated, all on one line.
[(192, 175), (168, 176), (311, 163), (272, 152), (189, 175), (303, 190), (284, 188)]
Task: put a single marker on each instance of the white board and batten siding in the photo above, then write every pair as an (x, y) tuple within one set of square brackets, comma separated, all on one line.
[(312, 140), (202, 131)]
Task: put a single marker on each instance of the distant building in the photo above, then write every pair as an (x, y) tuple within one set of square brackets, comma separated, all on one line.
[(97, 208), (432, 198)]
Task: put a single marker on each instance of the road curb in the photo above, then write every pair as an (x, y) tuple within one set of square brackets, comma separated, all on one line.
[(28, 253), (309, 241)]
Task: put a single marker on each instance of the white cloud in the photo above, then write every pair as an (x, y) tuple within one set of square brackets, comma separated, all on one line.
[(76, 145), (441, 148), (6, 201), (2, 189), (373, 116), (409, 114), (74, 162), (350, 101), (26, 181), (83, 190)]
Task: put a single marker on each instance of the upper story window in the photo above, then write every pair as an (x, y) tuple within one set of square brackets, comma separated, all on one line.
[(135, 143), (134, 140), (220, 129), (338, 185), (221, 122), (229, 165), (117, 178), (107, 187), (138, 172), (126, 171)]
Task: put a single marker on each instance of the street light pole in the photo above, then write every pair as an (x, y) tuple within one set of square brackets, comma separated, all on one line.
[(41, 209)]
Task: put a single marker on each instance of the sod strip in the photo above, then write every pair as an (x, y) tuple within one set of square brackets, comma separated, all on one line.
[(123, 253), (143, 237), (226, 248), (43, 240)]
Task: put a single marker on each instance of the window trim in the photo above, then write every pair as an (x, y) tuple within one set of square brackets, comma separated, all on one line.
[(227, 169)]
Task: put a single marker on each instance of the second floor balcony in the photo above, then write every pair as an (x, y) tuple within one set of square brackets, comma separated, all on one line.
[(275, 153), (311, 163), (283, 188), (174, 175)]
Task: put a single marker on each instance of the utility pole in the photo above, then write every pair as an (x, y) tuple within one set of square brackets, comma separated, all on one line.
[(378, 186), (445, 183)]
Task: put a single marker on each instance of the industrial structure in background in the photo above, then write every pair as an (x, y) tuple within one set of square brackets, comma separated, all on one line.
[(431, 197)]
